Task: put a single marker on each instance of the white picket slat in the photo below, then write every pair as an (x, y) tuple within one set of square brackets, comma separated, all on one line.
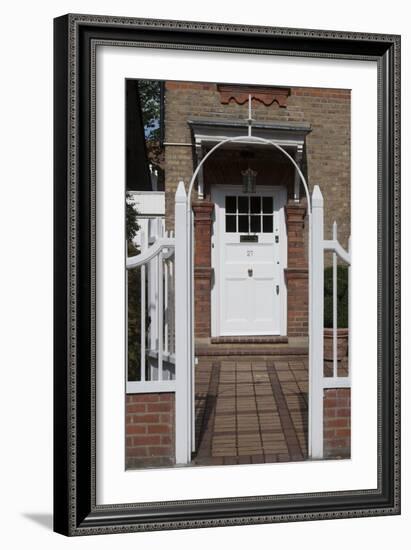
[(183, 329), (160, 316), (166, 307), (317, 325), (335, 305)]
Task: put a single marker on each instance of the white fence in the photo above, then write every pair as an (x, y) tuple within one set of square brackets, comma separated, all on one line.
[(166, 324), (318, 382)]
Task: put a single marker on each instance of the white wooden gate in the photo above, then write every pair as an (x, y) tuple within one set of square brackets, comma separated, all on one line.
[(317, 381), (166, 347)]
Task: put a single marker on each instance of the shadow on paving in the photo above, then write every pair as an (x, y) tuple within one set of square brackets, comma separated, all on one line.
[(251, 411)]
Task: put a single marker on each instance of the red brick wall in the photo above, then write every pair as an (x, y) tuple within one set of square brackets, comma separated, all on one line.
[(297, 302), (150, 429), (297, 271), (337, 423), (202, 267), (327, 158)]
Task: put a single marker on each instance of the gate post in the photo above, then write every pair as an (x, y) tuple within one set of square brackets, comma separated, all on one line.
[(182, 329), (316, 363)]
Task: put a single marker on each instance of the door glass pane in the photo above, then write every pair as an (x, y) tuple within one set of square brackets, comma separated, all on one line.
[(255, 205), (230, 205), (255, 224), (243, 205), (230, 224), (267, 205), (267, 224), (243, 224)]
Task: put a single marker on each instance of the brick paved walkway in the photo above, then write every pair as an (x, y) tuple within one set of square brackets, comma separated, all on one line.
[(251, 411)]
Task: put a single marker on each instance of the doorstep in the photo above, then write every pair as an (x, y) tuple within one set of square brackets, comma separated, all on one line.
[(242, 346), (249, 340)]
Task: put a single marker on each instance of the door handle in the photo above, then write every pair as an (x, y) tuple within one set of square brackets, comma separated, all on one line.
[(277, 289), (250, 272)]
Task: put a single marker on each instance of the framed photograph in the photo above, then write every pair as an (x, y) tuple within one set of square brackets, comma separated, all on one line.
[(227, 275)]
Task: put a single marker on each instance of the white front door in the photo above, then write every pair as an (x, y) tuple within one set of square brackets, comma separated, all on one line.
[(249, 255)]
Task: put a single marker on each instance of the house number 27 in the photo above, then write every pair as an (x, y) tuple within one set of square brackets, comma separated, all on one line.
[(250, 252)]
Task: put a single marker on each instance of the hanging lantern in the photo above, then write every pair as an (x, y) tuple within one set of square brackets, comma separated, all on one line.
[(249, 180)]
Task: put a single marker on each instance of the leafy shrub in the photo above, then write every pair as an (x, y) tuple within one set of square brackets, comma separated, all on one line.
[(342, 296), (134, 318)]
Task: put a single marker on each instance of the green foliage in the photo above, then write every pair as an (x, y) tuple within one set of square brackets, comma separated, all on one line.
[(134, 286), (134, 318), (342, 296), (132, 226), (149, 91)]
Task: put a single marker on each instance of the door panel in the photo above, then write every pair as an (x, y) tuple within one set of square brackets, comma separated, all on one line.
[(248, 264), (235, 310)]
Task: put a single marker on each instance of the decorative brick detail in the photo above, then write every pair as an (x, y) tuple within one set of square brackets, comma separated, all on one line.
[(265, 94), (337, 423), (297, 271), (202, 267), (150, 430)]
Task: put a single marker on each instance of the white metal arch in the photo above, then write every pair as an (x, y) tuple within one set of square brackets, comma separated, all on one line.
[(254, 139), (248, 139)]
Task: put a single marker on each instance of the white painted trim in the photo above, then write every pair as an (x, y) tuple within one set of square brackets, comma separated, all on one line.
[(335, 246), (316, 362), (150, 253), (151, 386), (142, 313), (144, 193), (291, 144), (215, 288), (284, 262), (160, 316), (148, 203), (335, 306), (218, 192), (183, 336), (331, 382), (298, 155)]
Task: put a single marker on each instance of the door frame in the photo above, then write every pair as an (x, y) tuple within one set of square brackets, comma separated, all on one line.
[(217, 194)]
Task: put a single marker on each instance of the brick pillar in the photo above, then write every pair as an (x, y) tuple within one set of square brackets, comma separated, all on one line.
[(297, 271), (202, 267), (337, 423), (150, 430)]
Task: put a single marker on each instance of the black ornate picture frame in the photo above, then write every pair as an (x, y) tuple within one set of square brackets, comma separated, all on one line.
[(75, 41)]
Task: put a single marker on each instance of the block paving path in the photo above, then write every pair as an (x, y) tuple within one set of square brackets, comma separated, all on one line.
[(251, 411)]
